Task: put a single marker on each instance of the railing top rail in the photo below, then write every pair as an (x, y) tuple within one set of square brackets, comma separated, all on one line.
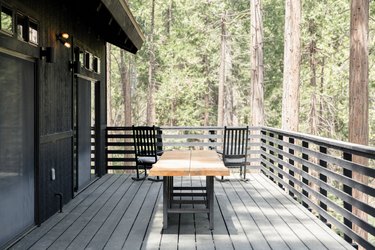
[(203, 127), (181, 127), (330, 143)]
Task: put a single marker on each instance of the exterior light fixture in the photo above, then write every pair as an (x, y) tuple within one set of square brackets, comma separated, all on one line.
[(63, 38), (48, 53)]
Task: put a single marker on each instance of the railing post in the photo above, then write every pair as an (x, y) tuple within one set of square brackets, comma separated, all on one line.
[(272, 161), (106, 150), (348, 190), (212, 132), (306, 170), (291, 162), (159, 140), (263, 140), (280, 156), (323, 178)]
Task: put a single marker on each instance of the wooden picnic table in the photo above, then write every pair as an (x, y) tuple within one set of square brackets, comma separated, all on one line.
[(188, 163)]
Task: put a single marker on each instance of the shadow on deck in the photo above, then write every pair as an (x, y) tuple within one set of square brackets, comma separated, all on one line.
[(116, 212)]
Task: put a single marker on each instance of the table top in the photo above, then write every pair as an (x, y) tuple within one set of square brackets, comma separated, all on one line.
[(189, 163)]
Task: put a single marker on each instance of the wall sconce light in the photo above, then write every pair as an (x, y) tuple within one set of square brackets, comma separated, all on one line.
[(63, 38), (48, 53)]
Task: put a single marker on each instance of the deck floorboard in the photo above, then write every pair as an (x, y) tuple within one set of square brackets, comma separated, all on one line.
[(116, 212)]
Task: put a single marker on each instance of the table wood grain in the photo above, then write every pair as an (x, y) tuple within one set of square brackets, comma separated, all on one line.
[(189, 163)]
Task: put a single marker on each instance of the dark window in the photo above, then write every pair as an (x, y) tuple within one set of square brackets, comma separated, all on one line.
[(96, 65), (81, 58), (6, 20), (22, 25), (88, 60), (33, 32)]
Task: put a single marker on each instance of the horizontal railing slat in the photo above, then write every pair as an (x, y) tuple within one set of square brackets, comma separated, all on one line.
[(330, 159), (345, 197)]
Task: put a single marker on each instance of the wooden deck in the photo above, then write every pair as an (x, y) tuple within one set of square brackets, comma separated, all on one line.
[(118, 213)]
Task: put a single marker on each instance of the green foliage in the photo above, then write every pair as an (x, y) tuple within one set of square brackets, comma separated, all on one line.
[(188, 61)]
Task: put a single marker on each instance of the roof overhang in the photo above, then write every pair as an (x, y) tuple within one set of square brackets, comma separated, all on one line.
[(113, 21), (122, 15)]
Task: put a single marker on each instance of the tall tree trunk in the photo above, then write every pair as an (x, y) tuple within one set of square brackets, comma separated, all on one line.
[(207, 91), (228, 104), (229, 87), (222, 74), (169, 17), (358, 92), (109, 87), (126, 88), (150, 118), (313, 63), (257, 68), (292, 61), (321, 91)]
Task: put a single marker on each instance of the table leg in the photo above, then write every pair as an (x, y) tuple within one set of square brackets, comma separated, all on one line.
[(165, 201), (210, 198), (170, 191)]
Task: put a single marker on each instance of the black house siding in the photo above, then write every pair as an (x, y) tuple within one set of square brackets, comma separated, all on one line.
[(55, 94)]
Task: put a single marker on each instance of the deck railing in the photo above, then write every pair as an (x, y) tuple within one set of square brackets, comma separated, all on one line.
[(120, 150), (317, 172), (320, 174)]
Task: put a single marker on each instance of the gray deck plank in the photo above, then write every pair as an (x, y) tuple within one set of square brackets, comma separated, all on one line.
[(154, 230), (84, 237), (51, 236), (119, 235), (116, 212), (169, 239), (76, 228), (260, 232), (325, 235), (140, 225), (104, 233), (222, 240), (204, 236), (249, 194), (186, 239), (30, 239), (273, 199), (236, 231)]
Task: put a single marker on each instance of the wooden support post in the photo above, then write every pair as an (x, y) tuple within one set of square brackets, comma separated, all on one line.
[(305, 169)]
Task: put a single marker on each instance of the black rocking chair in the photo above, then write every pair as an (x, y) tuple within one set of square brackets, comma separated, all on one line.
[(235, 149), (147, 151)]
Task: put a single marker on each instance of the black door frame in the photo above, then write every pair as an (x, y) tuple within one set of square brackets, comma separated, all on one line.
[(37, 175), (94, 82)]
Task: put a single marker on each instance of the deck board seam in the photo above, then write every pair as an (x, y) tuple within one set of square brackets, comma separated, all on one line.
[(142, 185), (26, 242), (311, 217), (276, 212), (236, 214), (69, 214), (108, 193), (249, 214), (128, 203), (290, 199), (99, 210)]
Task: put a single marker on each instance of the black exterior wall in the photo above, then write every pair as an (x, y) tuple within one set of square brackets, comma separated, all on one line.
[(54, 91)]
